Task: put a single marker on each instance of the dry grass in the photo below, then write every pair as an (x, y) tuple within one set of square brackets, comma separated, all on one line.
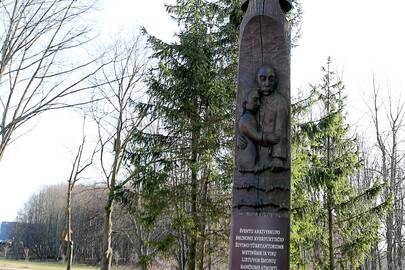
[(13, 264)]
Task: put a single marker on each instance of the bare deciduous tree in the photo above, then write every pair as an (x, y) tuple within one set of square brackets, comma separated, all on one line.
[(6, 249), (37, 70), (27, 254), (389, 144), (117, 121), (78, 167)]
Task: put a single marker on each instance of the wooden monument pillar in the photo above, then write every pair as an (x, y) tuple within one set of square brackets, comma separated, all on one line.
[(261, 194)]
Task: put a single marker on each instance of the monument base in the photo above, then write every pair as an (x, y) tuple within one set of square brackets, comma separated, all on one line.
[(259, 242)]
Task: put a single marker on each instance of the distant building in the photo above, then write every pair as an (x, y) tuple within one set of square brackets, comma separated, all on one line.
[(6, 230)]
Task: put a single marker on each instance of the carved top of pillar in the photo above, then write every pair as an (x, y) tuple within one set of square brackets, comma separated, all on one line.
[(267, 8), (286, 5)]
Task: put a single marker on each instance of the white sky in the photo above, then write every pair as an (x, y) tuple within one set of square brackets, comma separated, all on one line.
[(362, 37)]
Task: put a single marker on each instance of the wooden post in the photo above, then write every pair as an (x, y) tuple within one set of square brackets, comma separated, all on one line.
[(261, 193)]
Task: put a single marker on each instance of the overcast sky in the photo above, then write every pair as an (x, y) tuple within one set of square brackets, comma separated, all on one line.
[(362, 37)]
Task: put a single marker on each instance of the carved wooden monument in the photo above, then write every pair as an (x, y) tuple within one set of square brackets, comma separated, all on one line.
[(261, 193)]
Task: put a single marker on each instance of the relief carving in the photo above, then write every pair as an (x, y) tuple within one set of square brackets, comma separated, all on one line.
[(251, 136), (262, 156), (263, 138)]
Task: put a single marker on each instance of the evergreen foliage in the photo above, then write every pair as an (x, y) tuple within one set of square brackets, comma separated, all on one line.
[(334, 222), (180, 162), (184, 164)]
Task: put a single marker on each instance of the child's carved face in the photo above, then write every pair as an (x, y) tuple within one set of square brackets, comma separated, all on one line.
[(252, 101)]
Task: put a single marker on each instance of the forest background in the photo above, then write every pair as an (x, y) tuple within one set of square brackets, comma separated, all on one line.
[(164, 126)]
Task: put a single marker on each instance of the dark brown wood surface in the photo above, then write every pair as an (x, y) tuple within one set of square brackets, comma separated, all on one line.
[(261, 192), (264, 40)]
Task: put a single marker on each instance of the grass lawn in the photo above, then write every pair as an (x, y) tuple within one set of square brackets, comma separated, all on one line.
[(45, 265)]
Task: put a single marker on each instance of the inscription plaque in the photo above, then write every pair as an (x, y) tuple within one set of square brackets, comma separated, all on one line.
[(260, 243)]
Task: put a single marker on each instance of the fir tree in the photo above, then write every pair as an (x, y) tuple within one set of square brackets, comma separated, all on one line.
[(184, 164), (333, 223)]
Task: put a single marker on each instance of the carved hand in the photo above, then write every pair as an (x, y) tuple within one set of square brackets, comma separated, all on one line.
[(271, 138), (242, 142)]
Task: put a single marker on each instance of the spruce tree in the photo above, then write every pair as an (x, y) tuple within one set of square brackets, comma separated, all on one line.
[(334, 224), (184, 161)]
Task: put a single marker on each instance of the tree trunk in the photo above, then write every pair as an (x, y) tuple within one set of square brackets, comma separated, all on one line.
[(183, 254), (203, 224), (391, 252), (201, 255), (374, 258), (70, 254), (193, 242), (69, 228), (398, 231), (194, 186), (379, 259), (388, 235), (330, 189), (331, 248), (330, 231), (398, 239), (106, 258)]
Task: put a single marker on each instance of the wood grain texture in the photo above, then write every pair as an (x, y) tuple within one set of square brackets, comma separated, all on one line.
[(264, 40)]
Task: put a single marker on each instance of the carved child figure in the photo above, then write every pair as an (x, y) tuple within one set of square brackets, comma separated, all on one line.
[(250, 135)]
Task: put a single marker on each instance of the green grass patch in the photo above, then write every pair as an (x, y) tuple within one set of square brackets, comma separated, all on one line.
[(40, 265), (4, 263)]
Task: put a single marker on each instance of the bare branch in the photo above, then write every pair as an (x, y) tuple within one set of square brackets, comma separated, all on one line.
[(36, 74)]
